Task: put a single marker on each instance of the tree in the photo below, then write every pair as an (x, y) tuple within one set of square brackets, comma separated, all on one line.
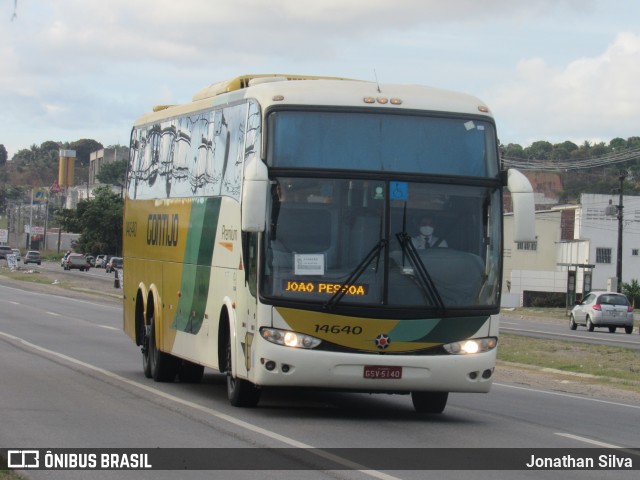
[(513, 150), (540, 150), (83, 149), (100, 221), (67, 219), (113, 173), (632, 291), (618, 144), (3, 155)]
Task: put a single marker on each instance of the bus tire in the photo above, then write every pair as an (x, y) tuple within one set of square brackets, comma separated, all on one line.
[(241, 393), (429, 402), (146, 358), (163, 366)]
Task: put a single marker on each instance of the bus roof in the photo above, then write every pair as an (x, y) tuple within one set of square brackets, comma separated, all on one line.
[(284, 89)]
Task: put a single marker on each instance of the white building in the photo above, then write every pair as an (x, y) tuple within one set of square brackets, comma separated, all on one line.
[(581, 238)]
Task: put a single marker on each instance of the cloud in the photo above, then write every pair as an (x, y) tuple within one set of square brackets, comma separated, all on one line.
[(589, 98), (87, 68)]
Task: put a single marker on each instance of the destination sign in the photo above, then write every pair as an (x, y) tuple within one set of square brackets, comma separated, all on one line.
[(324, 288)]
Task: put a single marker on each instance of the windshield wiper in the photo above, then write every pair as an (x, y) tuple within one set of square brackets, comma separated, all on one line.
[(424, 279), (355, 274)]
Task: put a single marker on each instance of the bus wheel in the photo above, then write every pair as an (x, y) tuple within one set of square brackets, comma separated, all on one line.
[(241, 393), (163, 366), (429, 402), (146, 360)]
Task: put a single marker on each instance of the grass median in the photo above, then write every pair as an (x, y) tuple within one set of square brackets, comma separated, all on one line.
[(605, 364)]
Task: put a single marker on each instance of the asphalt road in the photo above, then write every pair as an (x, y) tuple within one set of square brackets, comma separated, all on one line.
[(71, 378), (556, 329)]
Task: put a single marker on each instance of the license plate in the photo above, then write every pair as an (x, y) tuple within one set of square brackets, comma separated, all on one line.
[(382, 372)]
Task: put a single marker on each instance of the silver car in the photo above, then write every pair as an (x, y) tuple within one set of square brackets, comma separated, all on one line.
[(603, 309)]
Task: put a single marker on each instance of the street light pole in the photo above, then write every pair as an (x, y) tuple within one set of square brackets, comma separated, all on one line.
[(620, 224)]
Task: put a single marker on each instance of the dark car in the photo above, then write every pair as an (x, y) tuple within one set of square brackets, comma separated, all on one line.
[(77, 261), (32, 257), (114, 263), (4, 251)]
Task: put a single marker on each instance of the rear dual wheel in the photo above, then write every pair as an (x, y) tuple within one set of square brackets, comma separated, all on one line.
[(160, 366)]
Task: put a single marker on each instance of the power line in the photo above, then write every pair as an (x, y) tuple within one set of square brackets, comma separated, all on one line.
[(565, 165)]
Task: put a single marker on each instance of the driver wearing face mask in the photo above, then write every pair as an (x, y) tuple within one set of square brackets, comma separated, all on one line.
[(426, 238)]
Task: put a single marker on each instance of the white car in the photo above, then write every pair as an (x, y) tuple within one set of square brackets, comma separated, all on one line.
[(603, 310)]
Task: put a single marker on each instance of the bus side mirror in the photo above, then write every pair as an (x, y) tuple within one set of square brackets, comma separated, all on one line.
[(254, 196), (523, 206)]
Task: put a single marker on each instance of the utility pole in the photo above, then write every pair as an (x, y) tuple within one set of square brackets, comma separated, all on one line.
[(620, 225)]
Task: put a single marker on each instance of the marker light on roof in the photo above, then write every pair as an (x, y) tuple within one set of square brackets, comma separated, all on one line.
[(396, 101), (483, 109), (278, 98), (369, 100), (382, 100)]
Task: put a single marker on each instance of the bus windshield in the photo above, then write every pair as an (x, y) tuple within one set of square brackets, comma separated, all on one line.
[(388, 142), (335, 241)]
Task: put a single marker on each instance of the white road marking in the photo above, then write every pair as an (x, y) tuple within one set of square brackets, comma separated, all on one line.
[(567, 395), (587, 440)]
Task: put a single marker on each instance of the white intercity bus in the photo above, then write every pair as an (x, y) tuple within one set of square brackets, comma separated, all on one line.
[(274, 231)]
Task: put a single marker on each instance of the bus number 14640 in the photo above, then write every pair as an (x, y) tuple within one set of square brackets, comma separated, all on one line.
[(337, 329)]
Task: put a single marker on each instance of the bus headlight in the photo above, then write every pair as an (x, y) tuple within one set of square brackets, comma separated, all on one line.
[(289, 338), (469, 347)]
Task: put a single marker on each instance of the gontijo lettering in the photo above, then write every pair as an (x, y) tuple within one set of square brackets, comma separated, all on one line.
[(162, 229), (326, 288)]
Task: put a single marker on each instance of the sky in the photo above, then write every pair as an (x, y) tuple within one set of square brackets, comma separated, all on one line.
[(551, 70)]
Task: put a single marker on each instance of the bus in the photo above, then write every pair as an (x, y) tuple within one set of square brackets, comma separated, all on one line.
[(270, 233)]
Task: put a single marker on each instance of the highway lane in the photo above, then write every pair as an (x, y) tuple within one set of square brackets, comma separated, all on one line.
[(77, 381), (98, 274), (559, 330)]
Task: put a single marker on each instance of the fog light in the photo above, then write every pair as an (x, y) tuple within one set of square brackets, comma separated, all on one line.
[(284, 368), (270, 365)]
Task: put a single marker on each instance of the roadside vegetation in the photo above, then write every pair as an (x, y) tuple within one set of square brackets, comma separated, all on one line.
[(5, 473), (599, 363)]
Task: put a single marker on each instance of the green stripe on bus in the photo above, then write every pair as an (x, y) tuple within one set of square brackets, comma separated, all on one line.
[(196, 270)]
